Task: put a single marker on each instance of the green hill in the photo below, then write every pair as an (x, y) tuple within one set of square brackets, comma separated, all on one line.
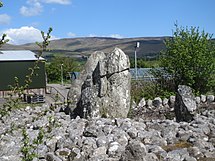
[(76, 47)]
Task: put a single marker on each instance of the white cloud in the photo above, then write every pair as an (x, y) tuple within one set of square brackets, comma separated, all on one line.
[(93, 35), (70, 34), (34, 8), (112, 35), (23, 35), (54, 37), (116, 36), (57, 1), (4, 19)]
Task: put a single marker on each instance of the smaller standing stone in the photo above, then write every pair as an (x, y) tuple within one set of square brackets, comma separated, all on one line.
[(185, 104)]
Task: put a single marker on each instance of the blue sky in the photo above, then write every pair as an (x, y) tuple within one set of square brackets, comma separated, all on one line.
[(22, 20)]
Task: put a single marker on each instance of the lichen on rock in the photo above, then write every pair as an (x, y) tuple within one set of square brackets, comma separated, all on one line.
[(102, 89)]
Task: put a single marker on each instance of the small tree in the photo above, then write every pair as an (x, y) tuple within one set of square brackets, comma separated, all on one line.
[(189, 59), (3, 40), (53, 69)]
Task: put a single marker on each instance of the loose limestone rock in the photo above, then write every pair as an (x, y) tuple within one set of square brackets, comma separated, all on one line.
[(210, 98), (135, 150), (106, 139)]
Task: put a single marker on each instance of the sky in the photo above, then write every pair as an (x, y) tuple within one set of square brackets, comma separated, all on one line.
[(22, 20)]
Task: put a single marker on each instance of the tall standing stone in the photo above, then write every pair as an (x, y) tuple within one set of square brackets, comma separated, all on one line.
[(76, 86), (185, 104), (105, 91)]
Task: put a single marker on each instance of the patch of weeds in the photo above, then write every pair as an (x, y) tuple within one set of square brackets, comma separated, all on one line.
[(72, 155), (56, 98), (12, 127), (29, 149), (169, 115), (131, 113), (148, 90), (52, 123), (103, 112), (178, 145), (159, 157)]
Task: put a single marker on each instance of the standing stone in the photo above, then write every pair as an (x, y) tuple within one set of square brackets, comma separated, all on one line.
[(105, 90), (87, 95), (185, 104), (76, 86)]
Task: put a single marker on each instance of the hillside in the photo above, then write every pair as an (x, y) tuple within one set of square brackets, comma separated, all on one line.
[(149, 46)]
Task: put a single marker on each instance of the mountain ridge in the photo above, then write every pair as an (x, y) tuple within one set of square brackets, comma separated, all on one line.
[(149, 46)]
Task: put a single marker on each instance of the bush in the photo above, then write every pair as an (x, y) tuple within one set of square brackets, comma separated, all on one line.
[(148, 90), (53, 69), (190, 59)]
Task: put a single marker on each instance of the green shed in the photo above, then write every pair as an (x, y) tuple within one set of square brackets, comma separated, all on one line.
[(16, 63)]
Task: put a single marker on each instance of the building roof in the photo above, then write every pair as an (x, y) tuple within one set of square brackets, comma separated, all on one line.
[(18, 55)]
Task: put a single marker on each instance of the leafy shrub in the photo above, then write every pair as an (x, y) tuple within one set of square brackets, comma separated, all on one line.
[(53, 68), (148, 90), (190, 59)]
